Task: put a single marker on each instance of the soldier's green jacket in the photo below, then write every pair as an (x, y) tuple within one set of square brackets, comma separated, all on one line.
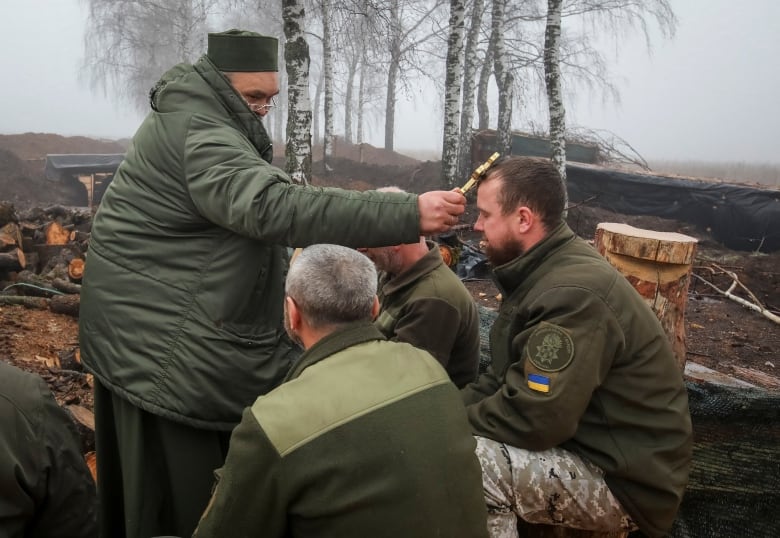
[(181, 304), (365, 438), (46, 490), (429, 307), (615, 393)]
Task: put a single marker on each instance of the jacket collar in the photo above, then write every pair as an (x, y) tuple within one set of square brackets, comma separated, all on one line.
[(347, 336), (239, 111), (422, 267), (512, 274)]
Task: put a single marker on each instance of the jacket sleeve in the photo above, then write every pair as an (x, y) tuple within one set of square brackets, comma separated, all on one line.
[(233, 187), (54, 491), (526, 418), (247, 496)]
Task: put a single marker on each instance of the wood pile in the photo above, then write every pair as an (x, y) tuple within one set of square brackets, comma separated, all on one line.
[(42, 257)]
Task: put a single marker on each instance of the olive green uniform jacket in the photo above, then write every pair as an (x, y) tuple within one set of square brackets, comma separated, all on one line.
[(429, 307), (365, 438), (181, 304), (572, 325), (46, 489)]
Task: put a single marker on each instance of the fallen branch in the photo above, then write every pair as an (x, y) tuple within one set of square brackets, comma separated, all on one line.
[(757, 307)]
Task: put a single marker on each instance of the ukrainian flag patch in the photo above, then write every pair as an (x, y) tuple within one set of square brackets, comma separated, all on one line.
[(539, 383)]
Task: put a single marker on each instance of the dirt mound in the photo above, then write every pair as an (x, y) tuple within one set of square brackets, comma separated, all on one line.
[(35, 146)]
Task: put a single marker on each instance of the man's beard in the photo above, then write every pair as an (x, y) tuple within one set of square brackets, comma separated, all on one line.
[(499, 255)]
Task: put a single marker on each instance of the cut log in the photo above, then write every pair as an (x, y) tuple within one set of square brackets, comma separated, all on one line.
[(84, 419), (76, 269), (13, 261), (29, 283), (658, 265), (756, 377), (10, 236), (70, 359), (56, 234), (7, 213), (91, 460), (65, 304), (30, 302), (65, 286)]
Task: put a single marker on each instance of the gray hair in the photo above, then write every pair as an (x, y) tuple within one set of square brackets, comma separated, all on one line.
[(332, 285)]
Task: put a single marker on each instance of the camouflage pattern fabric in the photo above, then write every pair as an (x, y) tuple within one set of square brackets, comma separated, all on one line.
[(550, 487)]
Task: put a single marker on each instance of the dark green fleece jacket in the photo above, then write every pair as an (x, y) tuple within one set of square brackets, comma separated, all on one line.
[(366, 438), (46, 490), (181, 303), (580, 361)]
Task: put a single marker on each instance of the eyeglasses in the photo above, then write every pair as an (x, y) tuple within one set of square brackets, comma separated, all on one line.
[(262, 108)]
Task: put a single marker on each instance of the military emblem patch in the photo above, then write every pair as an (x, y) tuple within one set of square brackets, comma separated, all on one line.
[(550, 348)]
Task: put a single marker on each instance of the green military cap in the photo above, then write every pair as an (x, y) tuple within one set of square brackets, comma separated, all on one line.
[(242, 50)]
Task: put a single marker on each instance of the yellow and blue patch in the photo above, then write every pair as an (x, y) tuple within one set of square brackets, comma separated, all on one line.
[(539, 383)]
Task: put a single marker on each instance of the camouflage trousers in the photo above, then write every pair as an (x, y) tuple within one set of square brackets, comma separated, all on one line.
[(550, 487)]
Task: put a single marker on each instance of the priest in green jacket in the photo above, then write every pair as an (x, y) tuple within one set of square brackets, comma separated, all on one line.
[(181, 305)]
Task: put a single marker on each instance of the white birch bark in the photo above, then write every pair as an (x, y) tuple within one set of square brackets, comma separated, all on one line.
[(504, 78), (452, 88), (469, 85), (552, 79), (327, 68), (296, 56), (392, 75)]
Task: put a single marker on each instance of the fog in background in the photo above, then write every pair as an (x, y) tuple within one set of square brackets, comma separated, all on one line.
[(709, 94)]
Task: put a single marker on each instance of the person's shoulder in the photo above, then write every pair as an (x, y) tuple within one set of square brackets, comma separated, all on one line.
[(23, 391)]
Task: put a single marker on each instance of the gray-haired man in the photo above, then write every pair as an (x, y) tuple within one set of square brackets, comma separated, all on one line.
[(364, 438)]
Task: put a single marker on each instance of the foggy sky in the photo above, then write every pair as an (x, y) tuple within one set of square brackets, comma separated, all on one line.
[(709, 94)]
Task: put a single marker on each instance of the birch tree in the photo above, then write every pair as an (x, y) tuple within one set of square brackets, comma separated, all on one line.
[(452, 93), (552, 79), (327, 67), (296, 56), (130, 44), (469, 86), (504, 77)]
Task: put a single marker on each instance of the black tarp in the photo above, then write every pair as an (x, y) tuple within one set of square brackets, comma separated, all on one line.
[(61, 167), (740, 217)]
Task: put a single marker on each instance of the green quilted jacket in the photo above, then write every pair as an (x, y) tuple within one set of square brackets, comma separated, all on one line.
[(181, 305)]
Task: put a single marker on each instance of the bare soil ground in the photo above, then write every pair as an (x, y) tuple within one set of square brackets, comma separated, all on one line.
[(721, 333)]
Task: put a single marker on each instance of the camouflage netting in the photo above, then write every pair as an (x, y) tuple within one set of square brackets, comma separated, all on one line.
[(734, 487)]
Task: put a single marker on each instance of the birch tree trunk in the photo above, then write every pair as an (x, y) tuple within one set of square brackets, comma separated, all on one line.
[(452, 86), (469, 85), (361, 97), (552, 79), (504, 78), (483, 110), (296, 56), (317, 106), (327, 67), (392, 75), (352, 67)]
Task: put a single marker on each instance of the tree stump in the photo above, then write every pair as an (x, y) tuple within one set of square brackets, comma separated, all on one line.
[(658, 265)]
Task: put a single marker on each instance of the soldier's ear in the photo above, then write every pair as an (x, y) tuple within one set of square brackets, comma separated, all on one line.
[(293, 314), (375, 308)]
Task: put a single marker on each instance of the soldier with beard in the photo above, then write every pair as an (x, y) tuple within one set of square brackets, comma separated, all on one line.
[(582, 418)]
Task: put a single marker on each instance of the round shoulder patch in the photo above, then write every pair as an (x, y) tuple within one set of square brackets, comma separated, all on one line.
[(550, 348)]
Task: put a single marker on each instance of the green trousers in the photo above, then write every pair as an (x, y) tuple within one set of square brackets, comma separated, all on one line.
[(154, 475)]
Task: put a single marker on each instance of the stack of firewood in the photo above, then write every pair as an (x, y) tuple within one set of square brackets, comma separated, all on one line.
[(42, 256)]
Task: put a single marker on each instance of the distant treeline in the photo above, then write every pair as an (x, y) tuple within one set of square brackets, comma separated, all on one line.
[(764, 173)]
